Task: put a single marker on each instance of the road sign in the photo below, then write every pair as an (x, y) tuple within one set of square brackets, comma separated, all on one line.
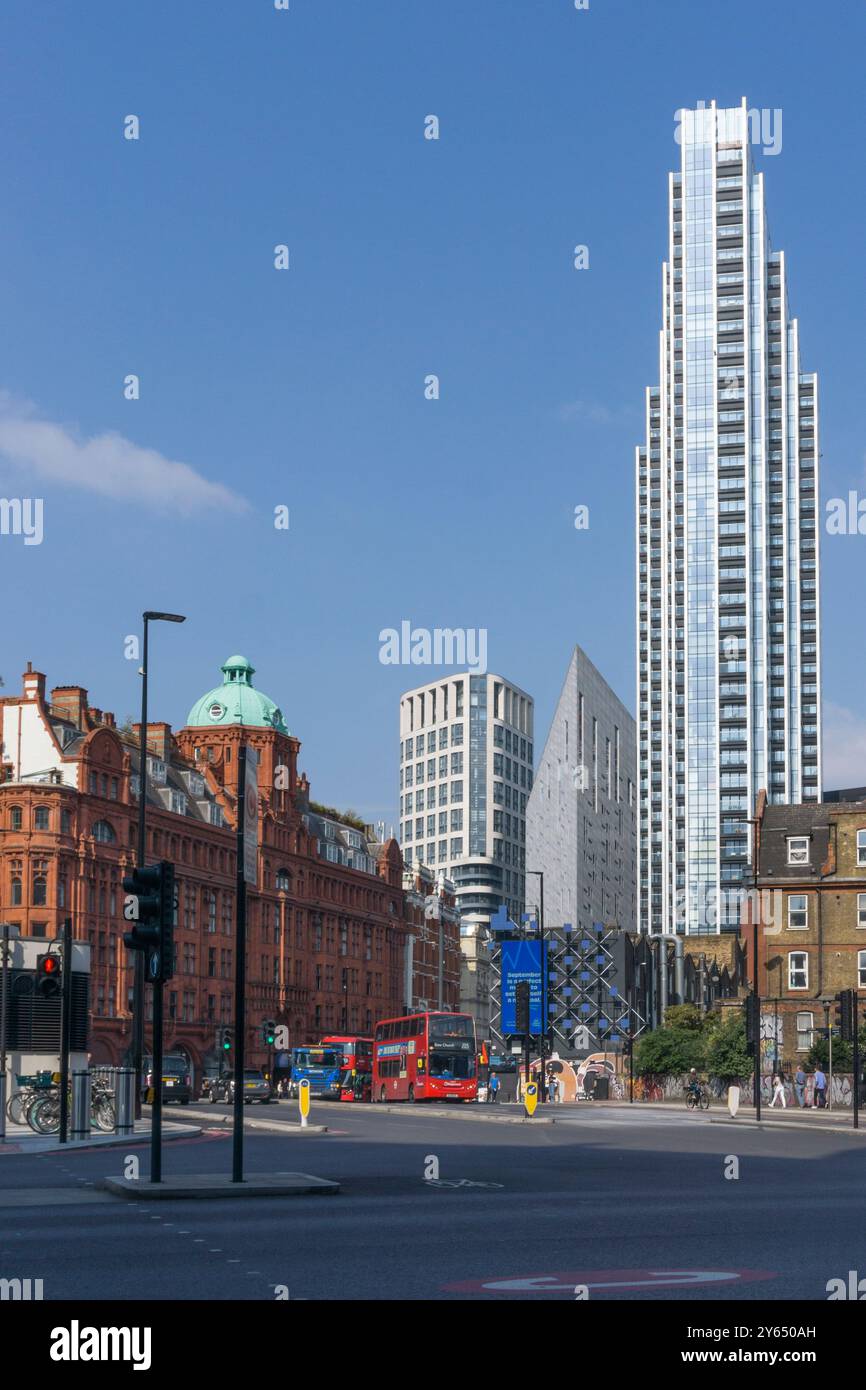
[(530, 1098), (304, 1100)]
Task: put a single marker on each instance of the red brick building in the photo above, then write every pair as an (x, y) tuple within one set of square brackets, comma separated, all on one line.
[(430, 905), (327, 926)]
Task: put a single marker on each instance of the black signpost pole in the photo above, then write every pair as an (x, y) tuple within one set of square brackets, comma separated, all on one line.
[(855, 1010), (65, 1023), (156, 1111), (240, 977)]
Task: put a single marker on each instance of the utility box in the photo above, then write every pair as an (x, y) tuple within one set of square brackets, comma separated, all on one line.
[(32, 1022)]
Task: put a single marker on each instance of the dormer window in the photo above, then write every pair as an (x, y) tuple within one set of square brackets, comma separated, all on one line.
[(156, 771), (798, 849)]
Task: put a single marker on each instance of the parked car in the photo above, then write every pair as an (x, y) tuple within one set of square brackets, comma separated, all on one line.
[(221, 1089), (176, 1079), (215, 1089)]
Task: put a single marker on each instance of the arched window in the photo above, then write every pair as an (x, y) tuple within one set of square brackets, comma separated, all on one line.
[(104, 833), (15, 818), (16, 892), (40, 890), (284, 881), (40, 818)]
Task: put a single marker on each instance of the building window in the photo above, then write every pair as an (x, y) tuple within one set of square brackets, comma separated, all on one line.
[(798, 970), (15, 818), (40, 890), (103, 832), (40, 818), (804, 1032), (861, 848), (283, 881), (861, 969), (798, 849), (16, 892), (861, 909), (65, 823), (798, 911)]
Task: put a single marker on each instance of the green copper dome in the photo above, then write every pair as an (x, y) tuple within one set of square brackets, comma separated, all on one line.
[(236, 701)]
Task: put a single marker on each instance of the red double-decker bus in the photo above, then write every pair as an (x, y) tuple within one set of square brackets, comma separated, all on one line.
[(356, 1072), (428, 1056)]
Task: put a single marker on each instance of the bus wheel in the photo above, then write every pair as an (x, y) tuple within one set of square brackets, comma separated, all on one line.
[(382, 1096), (411, 1095)]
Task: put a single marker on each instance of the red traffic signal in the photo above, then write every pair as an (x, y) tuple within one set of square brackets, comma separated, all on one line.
[(48, 973)]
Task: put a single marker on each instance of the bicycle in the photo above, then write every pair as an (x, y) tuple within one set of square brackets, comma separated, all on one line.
[(697, 1097), (43, 1111)]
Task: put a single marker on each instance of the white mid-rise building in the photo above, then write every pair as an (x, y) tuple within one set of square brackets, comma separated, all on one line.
[(466, 760)]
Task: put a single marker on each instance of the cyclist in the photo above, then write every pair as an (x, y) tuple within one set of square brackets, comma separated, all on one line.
[(694, 1086)]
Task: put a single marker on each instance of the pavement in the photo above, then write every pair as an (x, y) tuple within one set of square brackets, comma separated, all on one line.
[(634, 1202), (22, 1139)]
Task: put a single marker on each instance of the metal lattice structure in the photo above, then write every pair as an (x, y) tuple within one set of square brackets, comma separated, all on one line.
[(586, 987)]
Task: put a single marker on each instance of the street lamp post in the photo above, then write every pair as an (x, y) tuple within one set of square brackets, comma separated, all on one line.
[(539, 874), (138, 978)]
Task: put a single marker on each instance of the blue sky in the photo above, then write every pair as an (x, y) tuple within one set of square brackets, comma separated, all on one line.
[(306, 388)]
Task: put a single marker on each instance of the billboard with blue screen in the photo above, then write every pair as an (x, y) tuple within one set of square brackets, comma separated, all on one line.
[(522, 960)]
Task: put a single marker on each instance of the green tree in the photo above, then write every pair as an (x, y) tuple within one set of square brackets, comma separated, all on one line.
[(686, 1016), (669, 1051), (843, 1053), (727, 1054)]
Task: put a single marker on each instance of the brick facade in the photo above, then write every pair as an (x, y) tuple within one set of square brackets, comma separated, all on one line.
[(811, 906), (326, 941)]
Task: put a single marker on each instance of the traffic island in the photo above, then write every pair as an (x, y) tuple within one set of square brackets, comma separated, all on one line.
[(217, 1185), (274, 1126)]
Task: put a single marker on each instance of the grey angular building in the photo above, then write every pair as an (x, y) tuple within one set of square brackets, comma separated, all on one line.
[(581, 819), (728, 574)]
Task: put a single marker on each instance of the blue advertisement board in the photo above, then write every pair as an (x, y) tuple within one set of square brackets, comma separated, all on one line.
[(521, 960)]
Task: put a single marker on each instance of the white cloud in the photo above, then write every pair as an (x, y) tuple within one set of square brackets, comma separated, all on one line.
[(844, 748), (586, 410), (107, 464), (595, 413)]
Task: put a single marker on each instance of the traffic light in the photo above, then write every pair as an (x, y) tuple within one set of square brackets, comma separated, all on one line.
[(48, 976), (521, 998), (845, 1014), (150, 906), (269, 1031), (226, 1040), (753, 1022)]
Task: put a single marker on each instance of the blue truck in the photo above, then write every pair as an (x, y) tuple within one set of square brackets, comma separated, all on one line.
[(321, 1066)]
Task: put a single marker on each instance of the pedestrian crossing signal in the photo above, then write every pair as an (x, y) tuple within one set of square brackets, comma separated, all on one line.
[(48, 976)]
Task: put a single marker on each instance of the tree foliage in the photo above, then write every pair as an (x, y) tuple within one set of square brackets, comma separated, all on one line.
[(727, 1054), (667, 1051)]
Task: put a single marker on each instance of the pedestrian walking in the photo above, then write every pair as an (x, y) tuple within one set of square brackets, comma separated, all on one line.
[(778, 1090), (800, 1087), (493, 1088), (820, 1089)]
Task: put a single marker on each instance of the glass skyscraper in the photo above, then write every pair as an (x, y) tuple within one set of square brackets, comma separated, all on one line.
[(729, 673)]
